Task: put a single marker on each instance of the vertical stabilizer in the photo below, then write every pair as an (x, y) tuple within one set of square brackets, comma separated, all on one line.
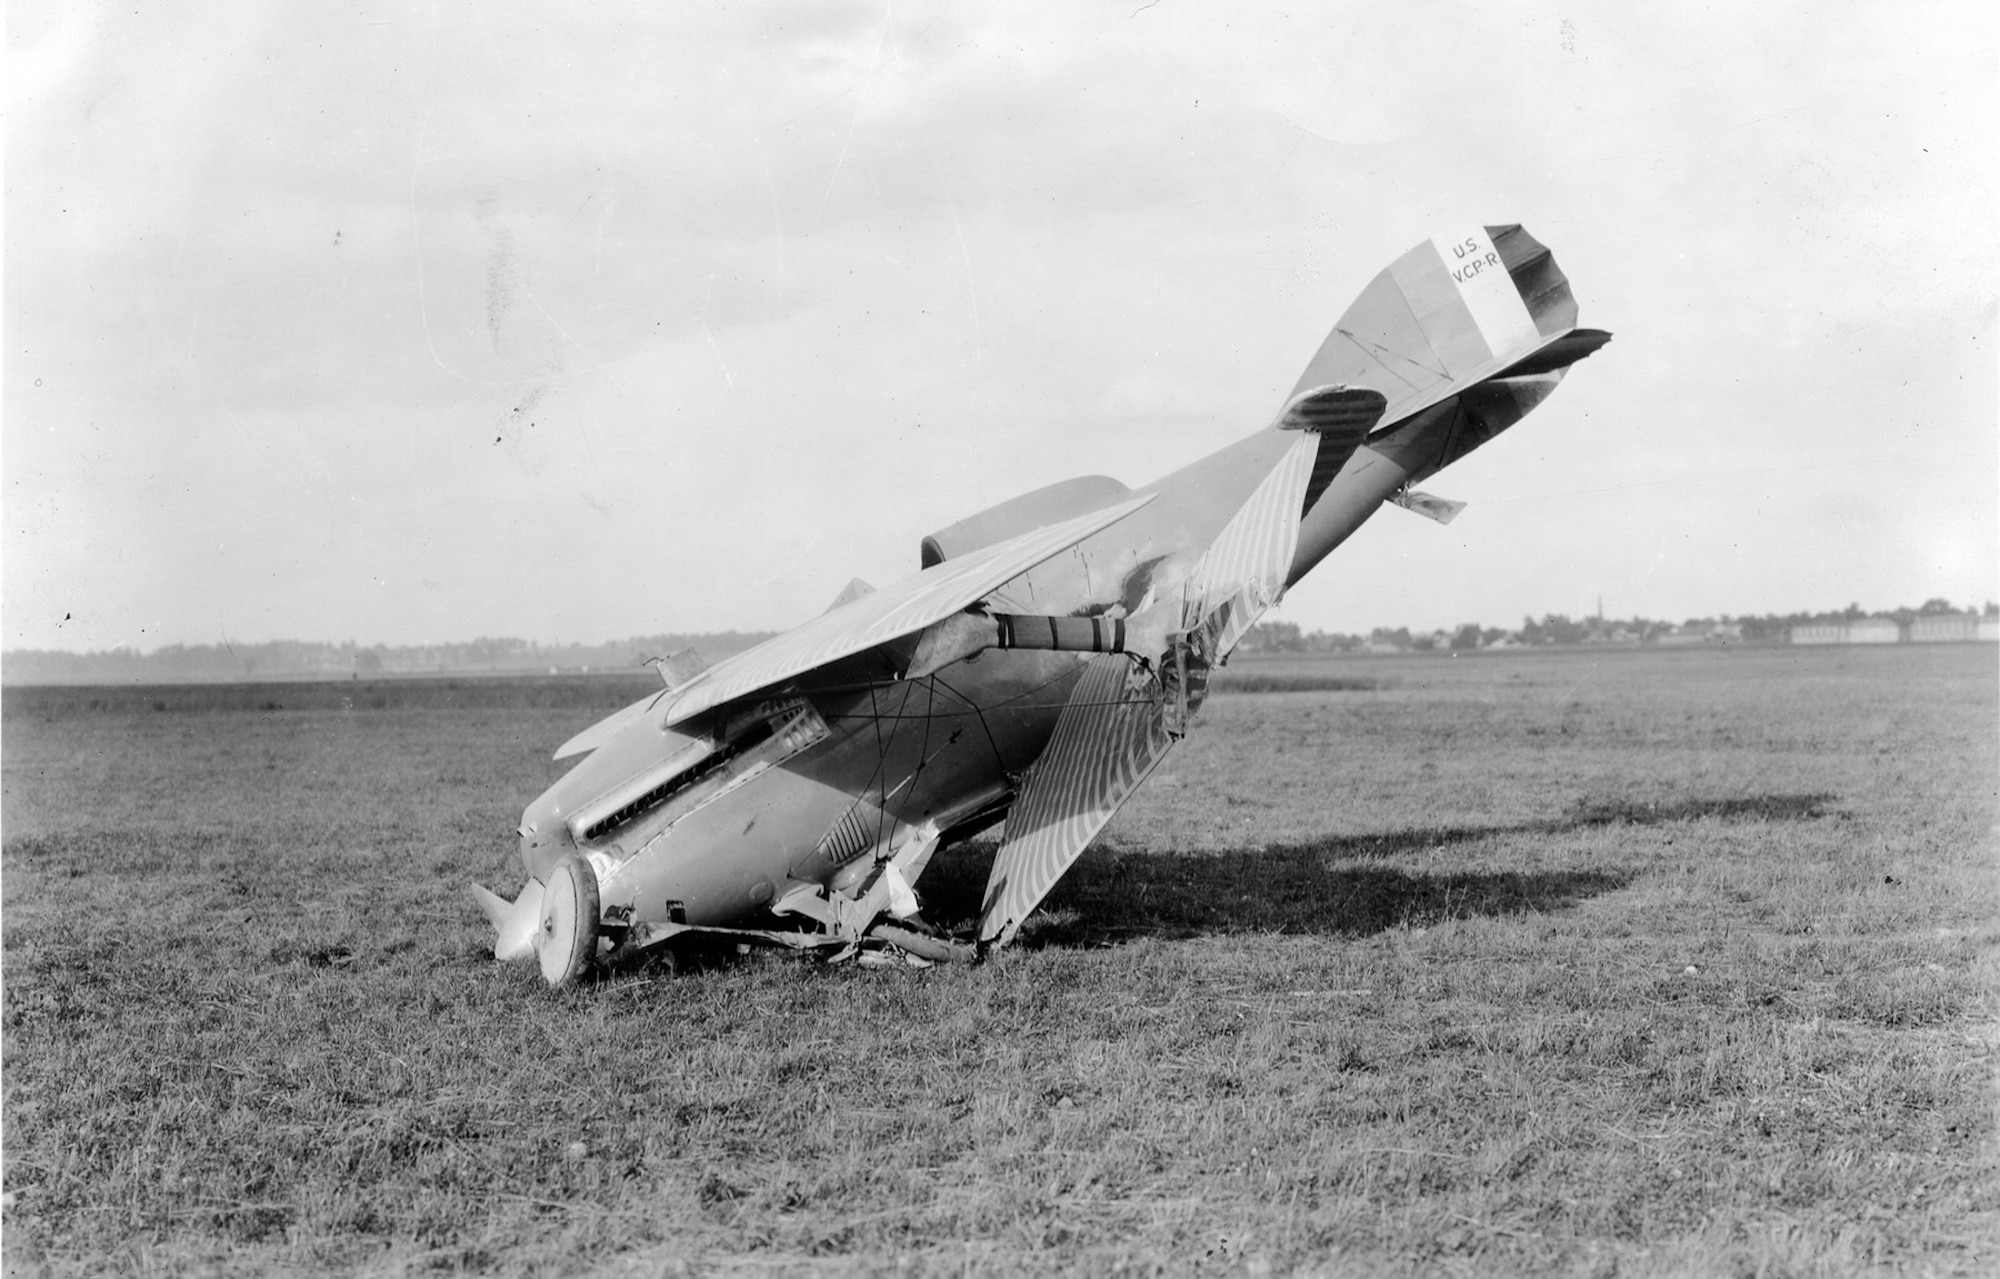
[(1462, 336), (1454, 309)]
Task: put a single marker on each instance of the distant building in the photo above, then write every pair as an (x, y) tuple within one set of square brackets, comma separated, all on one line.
[(1868, 630), (1875, 630), (1680, 636), (1942, 628), (1700, 633), (1989, 628)]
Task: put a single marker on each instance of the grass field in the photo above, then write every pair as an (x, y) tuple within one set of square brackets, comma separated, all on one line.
[(1580, 963)]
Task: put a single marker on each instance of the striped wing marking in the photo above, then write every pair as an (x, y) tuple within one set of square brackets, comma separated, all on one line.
[(1108, 739), (1105, 743), (1245, 566)]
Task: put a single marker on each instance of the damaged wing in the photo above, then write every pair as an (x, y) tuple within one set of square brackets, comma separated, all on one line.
[(1119, 724), (1105, 743), (896, 610), (1244, 569)]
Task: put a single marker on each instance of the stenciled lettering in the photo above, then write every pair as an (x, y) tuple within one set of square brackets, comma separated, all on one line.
[(1474, 267)]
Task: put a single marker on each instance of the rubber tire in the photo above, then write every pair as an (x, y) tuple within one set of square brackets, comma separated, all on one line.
[(567, 942)]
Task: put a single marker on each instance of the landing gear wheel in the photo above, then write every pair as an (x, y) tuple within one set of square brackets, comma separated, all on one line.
[(568, 938)]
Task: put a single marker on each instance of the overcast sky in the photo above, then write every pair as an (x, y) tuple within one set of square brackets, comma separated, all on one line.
[(416, 322)]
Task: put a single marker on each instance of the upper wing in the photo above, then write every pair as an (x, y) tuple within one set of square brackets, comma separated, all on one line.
[(894, 611)]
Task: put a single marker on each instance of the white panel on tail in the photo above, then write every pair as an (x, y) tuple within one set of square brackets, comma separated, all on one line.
[(1488, 291)]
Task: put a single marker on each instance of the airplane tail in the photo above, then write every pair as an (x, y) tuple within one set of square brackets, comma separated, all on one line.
[(1462, 336), (1452, 311)]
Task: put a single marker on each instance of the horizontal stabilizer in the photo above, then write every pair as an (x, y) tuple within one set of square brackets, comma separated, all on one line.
[(1559, 354), (1338, 410), (1441, 509)]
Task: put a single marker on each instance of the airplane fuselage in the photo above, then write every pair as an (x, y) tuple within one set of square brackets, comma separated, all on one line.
[(886, 760), (891, 760)]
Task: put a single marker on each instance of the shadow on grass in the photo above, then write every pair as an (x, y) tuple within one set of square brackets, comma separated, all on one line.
[(1316, 887)]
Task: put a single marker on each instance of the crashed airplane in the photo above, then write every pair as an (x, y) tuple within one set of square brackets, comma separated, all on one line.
[(1044, 660)]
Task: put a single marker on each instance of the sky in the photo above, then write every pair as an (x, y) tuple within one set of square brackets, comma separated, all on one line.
[(416, 322)]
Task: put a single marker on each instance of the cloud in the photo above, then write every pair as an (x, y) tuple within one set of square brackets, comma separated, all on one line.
[(534, 308)]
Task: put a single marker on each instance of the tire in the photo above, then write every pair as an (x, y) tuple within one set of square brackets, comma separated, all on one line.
[(567, 942)]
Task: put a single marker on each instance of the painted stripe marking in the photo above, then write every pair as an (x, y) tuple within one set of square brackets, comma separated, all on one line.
[(1475, 268)]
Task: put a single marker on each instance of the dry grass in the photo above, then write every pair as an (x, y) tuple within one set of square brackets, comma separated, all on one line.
[(1645, 963)]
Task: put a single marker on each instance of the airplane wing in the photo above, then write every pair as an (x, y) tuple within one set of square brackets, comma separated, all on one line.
[(1109, 737), (1106, 742), (1244, 569), (889, 613)]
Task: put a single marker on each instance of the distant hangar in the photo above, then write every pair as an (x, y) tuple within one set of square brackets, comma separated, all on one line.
[(1935, 628)]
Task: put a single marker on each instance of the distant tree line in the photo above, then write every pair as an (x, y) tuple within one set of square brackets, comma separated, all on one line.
[(294, 659), (1559, 628), (291, 659)]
